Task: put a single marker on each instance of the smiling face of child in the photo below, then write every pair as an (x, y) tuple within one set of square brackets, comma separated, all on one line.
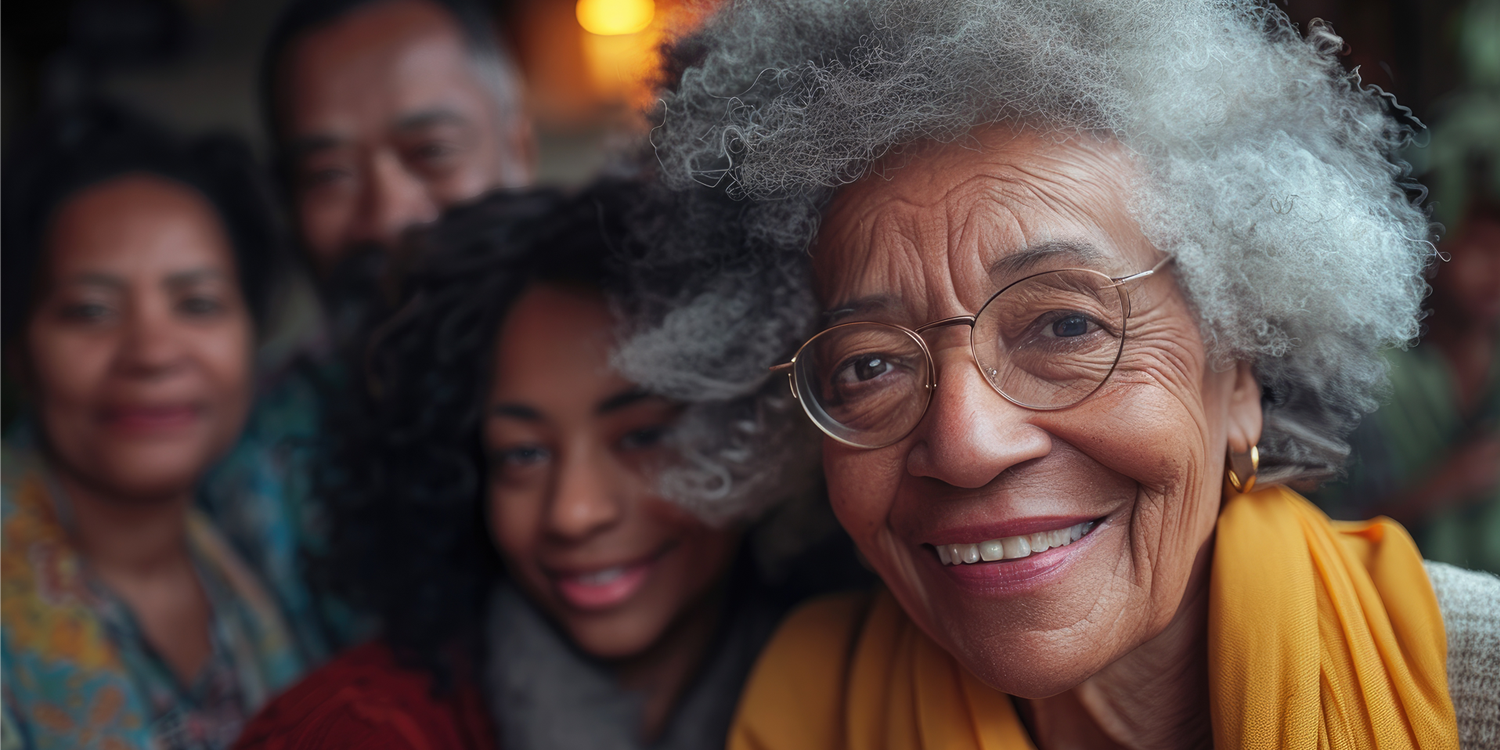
[(571, 449)]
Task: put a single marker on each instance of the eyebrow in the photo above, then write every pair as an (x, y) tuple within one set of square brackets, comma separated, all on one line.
[(1032, 256), (516, 411), (95, 278), (1023, 260), (621, 400), (195, 276), (611, 404), (428, 118)]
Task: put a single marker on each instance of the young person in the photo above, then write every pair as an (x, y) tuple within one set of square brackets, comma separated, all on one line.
[(495, 501)]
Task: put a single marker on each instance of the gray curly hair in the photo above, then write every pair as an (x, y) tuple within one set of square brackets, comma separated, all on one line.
[(1268, 172)]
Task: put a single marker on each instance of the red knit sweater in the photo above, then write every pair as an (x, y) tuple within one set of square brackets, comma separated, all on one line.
[(364, 699)]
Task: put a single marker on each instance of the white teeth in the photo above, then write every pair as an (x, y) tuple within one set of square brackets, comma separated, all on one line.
[(601, 577), (1016, 546), (1008, 548)]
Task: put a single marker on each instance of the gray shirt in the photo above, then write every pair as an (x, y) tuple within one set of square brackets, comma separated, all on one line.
[(544, 694)]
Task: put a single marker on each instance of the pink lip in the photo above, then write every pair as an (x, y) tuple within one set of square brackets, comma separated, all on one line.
[(587, 590), (1013, 577), (143, 420)]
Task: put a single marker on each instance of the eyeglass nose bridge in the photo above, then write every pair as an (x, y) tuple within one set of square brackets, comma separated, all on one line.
[(956, 320)]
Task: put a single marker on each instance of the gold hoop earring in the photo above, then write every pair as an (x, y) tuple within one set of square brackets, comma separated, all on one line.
[(1242, 468)]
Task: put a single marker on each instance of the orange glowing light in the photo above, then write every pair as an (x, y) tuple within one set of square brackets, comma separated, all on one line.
[(615, 17)]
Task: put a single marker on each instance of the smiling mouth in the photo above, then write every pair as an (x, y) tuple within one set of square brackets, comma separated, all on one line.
[(606, 588), (1012, 547), (150, 418)]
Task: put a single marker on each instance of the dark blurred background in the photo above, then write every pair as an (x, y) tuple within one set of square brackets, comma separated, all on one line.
[(192, 63)]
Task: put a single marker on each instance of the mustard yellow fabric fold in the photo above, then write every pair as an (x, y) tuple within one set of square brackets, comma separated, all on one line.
[(1321, 634)]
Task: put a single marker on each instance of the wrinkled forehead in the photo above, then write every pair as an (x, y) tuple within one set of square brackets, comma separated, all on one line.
[(935, 232)]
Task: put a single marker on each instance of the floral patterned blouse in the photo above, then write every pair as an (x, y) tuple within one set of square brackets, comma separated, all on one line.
[(78, 671)]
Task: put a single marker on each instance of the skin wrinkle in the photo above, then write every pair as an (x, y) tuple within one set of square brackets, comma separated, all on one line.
[(1133, 453), (1221, 103)]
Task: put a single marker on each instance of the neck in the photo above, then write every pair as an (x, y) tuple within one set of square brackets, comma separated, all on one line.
[(1153, 697), (127, 536), (663, 671)]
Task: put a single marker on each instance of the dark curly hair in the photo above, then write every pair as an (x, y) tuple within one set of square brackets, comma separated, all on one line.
[(70, 149), (404, 482)]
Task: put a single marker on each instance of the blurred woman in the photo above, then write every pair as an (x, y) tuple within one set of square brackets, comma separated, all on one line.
[(133, 270), (496, 502)]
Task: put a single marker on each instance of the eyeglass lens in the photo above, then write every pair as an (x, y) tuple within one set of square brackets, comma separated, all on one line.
[(1045, 342)]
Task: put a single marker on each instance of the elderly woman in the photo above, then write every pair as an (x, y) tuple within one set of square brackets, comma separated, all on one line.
[(1075, 291)]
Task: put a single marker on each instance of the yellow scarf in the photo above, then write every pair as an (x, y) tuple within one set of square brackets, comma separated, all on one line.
[(1321, 634)]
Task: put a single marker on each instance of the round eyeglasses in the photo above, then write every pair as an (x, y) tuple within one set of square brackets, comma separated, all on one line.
[(1047, 341)]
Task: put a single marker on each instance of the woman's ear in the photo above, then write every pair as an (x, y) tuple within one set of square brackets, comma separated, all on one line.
[(1245, 416)]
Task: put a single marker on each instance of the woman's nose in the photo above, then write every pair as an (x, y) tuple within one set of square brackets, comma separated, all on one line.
[(588, 498), (151, 346), (971, 434)]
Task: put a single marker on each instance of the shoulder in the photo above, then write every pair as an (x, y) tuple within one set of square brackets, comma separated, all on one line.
[(795, 693), (813, 644), (1470, 603), (365, 699)]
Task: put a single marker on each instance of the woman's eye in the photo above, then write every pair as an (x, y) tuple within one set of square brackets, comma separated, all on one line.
[(86, 312), (1070, 325), (643, 438), (864, 368), (200, 306), (526, 455)]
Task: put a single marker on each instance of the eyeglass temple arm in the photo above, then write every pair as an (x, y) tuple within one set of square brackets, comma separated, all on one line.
[(783, 367), (1145, 273)]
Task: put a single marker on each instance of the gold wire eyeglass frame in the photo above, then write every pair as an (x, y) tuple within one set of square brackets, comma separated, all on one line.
[(1115, 282)]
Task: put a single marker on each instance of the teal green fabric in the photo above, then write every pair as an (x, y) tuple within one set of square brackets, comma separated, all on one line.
[(262, 498), (78, 670), (1400, 446)]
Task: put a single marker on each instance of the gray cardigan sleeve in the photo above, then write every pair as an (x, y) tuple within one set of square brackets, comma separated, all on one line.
[(1470, 603)]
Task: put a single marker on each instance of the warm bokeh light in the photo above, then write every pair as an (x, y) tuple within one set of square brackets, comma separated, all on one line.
[(614, 17)]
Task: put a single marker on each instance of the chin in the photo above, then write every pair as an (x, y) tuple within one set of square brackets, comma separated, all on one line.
[(1027, 667), (611, 638), (149, 478)]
